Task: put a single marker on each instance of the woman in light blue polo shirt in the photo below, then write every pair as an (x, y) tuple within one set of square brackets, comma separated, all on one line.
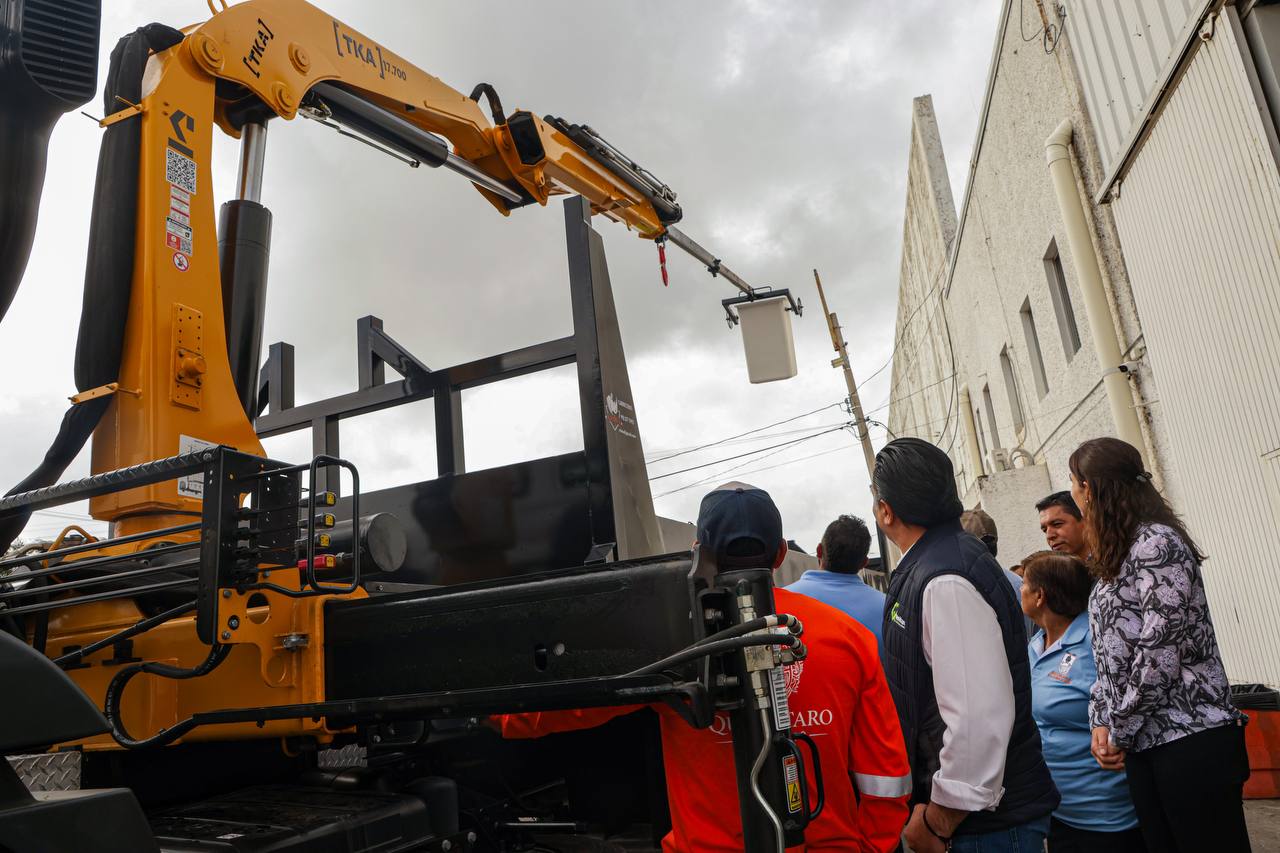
[(1096, 814)]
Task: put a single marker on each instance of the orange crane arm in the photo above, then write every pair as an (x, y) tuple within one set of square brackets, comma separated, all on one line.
[(279, 51)]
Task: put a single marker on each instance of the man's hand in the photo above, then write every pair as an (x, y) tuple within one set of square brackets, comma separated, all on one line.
[(943, 822), (1108, 757)]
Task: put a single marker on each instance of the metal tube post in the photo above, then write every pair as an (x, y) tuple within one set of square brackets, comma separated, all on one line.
[(675, 235), (253, 155)]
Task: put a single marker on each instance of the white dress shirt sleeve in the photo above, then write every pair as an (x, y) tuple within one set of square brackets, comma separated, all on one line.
[(974, 690)]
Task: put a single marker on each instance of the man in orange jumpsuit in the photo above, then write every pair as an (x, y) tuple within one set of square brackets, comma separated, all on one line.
[(837, 695)]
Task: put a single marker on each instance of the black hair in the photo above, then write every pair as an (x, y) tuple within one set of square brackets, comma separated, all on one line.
[(1064, 580), (845, 545), (916, 479), (1062, 499)]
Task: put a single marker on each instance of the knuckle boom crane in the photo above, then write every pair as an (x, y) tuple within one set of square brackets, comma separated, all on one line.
[(245, 620)]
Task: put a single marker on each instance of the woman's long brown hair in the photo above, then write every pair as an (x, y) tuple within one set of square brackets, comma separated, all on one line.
[(1121, 498)]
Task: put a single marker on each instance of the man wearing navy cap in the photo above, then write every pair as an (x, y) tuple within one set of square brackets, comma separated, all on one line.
[(837, 694)]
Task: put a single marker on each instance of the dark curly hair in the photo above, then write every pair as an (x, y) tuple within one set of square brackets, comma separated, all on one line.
[(1121, 498)]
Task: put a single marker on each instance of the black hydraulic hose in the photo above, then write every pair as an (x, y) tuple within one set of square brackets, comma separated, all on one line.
[(133, 630), (495, 103), (785, 620), (115, 690), (706, 649)]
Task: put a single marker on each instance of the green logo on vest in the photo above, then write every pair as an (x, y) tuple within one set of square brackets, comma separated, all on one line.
[(895, 618)]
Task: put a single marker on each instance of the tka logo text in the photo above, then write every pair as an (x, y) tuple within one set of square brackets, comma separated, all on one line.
[(352, 44), (253, 59)]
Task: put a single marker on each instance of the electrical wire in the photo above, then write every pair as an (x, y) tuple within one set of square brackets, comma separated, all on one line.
[(762, 436), (741, 435), (937, 280), (720, 475), (717, 476), (790, 443), (955, 387), (884, 404)]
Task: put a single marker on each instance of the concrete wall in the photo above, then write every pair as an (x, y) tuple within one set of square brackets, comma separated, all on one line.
[(1007, 221), (921, 387), (1010, 498)]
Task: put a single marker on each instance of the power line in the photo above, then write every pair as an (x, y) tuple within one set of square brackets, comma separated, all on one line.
[(757, 470), (891, 399), (937, 279), (760, 437), (793, 441), (740, 435)]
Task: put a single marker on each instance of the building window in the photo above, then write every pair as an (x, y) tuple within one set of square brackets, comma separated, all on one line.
[(991, 417), (1011, 390), (1061, 301), (982, 440), (1033, 348)]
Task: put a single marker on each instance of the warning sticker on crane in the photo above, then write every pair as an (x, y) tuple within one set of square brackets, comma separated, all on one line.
[(182, 233), (791, 774), (192, 485)]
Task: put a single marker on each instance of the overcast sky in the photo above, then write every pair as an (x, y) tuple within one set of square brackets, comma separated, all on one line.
[(783, 126)]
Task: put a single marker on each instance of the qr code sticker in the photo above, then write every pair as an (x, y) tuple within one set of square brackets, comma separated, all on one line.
[(180, 170)]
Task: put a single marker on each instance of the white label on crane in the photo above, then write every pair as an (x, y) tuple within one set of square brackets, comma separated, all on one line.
[(781, 710), (192, 485)]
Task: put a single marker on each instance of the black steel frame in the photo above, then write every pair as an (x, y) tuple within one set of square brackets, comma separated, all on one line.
[(375, 350), (794, 305), (590, 505)]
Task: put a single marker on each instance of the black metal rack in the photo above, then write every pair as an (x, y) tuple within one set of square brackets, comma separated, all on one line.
[(257, 516)]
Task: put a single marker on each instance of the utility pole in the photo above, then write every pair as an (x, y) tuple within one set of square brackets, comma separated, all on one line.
[(859, 420), (842, 361)]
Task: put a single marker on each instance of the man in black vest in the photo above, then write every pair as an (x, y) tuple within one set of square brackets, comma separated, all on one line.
[(956, 658)]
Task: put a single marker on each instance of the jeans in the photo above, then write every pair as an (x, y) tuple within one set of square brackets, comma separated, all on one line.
[(1028, 838)]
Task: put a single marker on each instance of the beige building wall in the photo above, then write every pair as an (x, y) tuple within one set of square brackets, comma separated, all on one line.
[(1002, 309)]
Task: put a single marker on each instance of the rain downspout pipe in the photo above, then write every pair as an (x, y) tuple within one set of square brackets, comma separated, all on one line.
[(1057, 149), (970, 434)]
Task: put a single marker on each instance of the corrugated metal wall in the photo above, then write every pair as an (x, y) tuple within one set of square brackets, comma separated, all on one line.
[(1199, 221), (1122, 49)]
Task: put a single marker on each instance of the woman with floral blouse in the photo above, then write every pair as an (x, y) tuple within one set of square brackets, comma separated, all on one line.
[(1161, 708)]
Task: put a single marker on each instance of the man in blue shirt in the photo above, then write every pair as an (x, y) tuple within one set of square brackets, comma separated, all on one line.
[(842, 553)]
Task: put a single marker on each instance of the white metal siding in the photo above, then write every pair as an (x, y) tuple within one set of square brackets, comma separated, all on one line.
[(1122, 48), (1199, 221)]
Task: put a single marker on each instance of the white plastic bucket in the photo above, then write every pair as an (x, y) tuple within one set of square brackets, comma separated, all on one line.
[(767, 339)]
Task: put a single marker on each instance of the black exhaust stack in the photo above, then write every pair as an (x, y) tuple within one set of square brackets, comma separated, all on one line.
[(48, 67)]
